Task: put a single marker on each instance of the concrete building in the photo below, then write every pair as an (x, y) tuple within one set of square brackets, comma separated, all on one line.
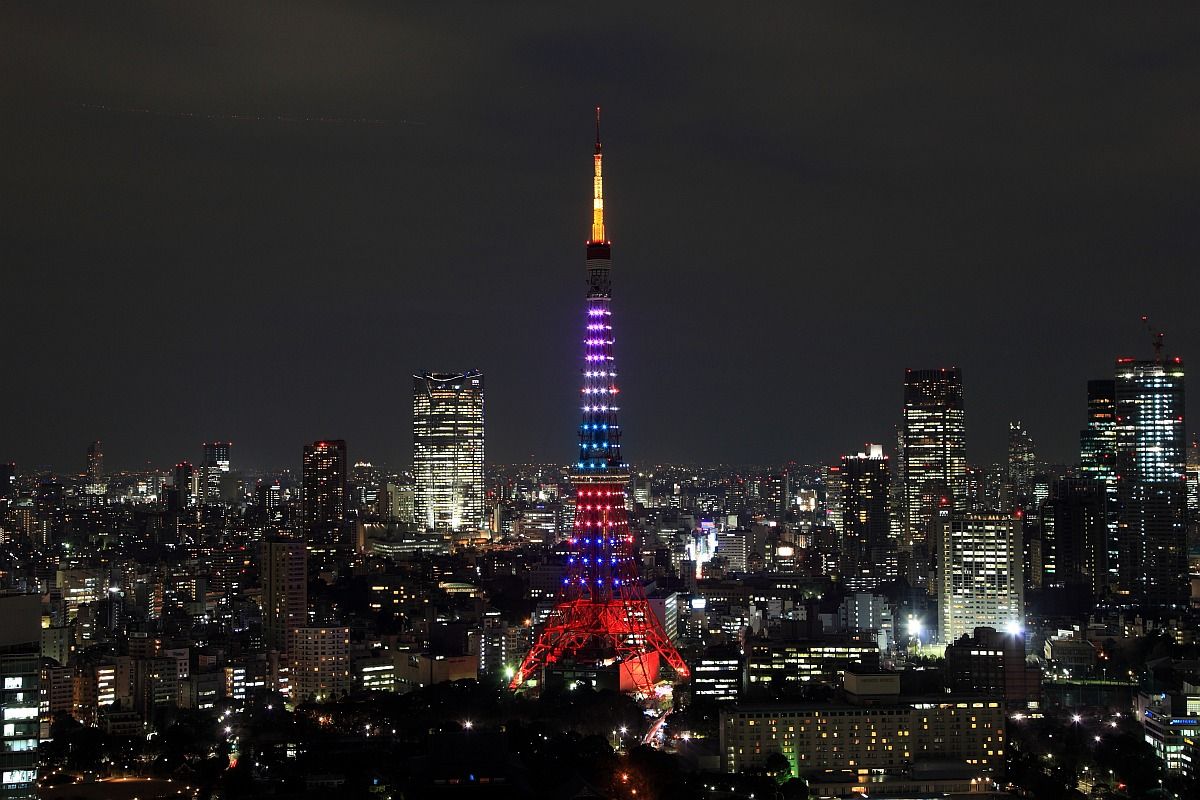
[(20, 666), (980, 574), (284, 590), (320, 663), (871, 727)]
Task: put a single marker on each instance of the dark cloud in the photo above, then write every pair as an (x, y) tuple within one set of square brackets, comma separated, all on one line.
[(256, 221)]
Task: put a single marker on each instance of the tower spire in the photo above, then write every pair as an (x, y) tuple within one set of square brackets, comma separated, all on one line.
[(597, 191)]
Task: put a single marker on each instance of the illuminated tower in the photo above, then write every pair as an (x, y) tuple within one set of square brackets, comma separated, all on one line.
[(602, 616), (933, 462), (1151, 493)]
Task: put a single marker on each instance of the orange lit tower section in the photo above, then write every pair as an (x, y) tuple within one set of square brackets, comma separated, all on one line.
[(602, 616)]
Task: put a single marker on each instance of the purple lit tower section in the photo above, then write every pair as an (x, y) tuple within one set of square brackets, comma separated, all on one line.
[(602, 617)]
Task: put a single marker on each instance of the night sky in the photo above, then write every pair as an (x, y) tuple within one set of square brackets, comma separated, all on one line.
[(256, 223)]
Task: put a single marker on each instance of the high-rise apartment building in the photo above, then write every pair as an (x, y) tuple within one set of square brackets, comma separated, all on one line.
[(184, 490), (20, 668), (323, 498), (1098, 461), (1098, 441), (448, 450), (1151, 493), (1193, 479), (212, 468), (320, 663), (868, 558), (94, 484), (1075, 535), (95, 462), (933, 461), (1022, 466), (981, 580), (284, 572), (8, 480), (835, 485)]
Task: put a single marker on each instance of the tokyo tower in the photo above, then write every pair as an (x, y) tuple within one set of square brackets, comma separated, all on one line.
[(602, 616)]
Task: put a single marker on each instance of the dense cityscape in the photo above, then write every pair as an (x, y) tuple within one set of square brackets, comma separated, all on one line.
[(895, 623), (893, 620)]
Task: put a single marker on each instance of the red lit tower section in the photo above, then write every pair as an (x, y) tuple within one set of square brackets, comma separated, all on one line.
[(602, 615)]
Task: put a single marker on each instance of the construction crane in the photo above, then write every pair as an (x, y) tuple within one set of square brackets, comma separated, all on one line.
[(1156, 336)]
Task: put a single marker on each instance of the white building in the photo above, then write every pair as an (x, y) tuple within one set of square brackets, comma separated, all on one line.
[(980, 574)]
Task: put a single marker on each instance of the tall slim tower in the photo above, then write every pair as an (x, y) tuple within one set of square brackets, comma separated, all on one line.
[(95, 462), (1098, 462), (448, 449), (1022, 466), (1150, 466), (284, 590), (868, 558), (602, 616), (934, 461), (323, 502)]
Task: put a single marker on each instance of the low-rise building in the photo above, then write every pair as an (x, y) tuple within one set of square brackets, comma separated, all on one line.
[(870, 727)]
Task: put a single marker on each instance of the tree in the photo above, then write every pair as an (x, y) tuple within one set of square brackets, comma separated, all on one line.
[(778, 766)]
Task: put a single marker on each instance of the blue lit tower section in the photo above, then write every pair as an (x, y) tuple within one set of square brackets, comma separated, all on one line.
[(602, 617)]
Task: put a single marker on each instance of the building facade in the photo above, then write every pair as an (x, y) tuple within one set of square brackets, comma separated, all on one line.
[(980, 574), (320, 663), (284, 590), (868, 558), (933, 461), (1150, 471), (20, 667), (891, 732), (448, 450), (323, 500)]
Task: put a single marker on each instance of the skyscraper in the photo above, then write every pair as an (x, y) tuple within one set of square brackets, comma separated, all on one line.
[(1022, 466), (212, 468), (8, 480), (1098, 461), (323, 497), (20, 669), (980, 574), (933, 460), (868, 558), (1150, 466), (284, 590), (448, 448), (95, 462), (94, 485), (184, 491), (1193, 480), (1075, 535)]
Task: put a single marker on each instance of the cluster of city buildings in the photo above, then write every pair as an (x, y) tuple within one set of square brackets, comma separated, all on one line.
[(808, 603)]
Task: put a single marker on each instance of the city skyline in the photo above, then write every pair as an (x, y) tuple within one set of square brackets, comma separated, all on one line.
[(930, 208), (856, 473)]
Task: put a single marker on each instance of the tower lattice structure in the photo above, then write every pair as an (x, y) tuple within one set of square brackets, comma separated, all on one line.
[(602, 615)]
